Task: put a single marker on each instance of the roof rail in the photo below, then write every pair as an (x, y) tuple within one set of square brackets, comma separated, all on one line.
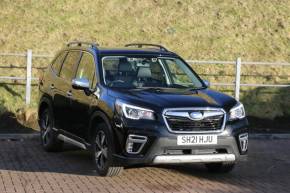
[(140, 45), (79, 43)]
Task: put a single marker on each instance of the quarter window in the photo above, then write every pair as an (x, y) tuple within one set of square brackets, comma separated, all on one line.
[(67, 69), (56, 65)]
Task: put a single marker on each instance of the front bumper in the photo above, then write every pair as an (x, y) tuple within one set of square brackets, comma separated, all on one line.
[(161, 148), (176, 159)]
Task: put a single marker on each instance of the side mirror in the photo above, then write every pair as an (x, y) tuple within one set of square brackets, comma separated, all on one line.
[(207, 83), (81, 83)]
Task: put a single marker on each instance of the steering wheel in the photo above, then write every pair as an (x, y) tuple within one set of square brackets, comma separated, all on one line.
[(116, 82)]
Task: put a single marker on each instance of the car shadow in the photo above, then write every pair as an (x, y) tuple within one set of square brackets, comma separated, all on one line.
[(9, 123), (27, 155)]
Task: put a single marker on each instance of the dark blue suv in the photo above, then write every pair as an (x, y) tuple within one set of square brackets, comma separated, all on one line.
[(138, 105)]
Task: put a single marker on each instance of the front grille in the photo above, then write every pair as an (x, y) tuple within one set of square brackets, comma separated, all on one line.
[(182, 122)]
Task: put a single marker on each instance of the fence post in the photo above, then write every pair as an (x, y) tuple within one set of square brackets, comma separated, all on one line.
[(238, 78), (28, 77)]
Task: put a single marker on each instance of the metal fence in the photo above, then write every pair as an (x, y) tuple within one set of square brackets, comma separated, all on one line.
[(236, 84)]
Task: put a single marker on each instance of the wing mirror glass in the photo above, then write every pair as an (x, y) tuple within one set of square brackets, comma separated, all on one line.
[(81, 83), (207, 83)]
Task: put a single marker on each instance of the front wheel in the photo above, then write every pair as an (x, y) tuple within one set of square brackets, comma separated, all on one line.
[(220, 167), (103, 145)]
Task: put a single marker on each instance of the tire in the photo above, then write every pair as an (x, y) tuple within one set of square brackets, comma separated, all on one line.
[(220, 167), (48, 136), (102, 149)]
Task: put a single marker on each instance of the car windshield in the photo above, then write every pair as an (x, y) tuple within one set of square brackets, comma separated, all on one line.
[(139, 72)]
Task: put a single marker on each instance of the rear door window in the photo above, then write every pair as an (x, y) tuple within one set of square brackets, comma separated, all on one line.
[(67, 70)]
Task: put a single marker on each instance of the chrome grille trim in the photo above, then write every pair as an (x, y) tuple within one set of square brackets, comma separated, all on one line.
[(183, 112)]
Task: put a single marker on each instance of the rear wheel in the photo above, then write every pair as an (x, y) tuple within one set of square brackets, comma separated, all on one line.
[(48, 136), (220, 167), (103, 145)]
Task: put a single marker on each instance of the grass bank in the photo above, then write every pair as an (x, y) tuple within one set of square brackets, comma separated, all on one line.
[(255, 30)]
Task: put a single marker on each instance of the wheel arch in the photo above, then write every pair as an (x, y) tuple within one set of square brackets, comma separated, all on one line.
[(99, 117), (44, 102)]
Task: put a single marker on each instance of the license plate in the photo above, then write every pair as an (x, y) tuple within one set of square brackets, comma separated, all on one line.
[(196, 139)]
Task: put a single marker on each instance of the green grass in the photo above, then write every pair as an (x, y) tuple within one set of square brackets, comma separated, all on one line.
[(256, 30)]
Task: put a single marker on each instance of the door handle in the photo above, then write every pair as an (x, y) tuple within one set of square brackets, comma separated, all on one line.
[(52, 86), (69, 94)]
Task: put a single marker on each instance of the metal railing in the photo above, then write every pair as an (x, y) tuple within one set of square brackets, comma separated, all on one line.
[(237, 83), (238, 65)]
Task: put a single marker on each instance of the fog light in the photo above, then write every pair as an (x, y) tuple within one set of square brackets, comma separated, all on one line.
[(243, 138), (135, 143)]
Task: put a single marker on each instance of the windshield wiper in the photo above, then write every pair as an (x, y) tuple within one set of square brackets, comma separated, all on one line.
[(177, 86), (191, 87), (196, 88)]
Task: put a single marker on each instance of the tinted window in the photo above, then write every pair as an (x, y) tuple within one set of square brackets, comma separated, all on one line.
[(86, 68), (56, 65), (67, 69)]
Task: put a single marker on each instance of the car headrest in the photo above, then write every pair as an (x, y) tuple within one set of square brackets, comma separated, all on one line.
[(124, 65), (144, 72)]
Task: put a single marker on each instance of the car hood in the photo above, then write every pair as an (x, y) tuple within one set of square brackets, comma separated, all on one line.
[(160, 98)]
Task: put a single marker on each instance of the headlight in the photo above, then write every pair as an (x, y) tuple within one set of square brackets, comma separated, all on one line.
[(237, 112), (133, 112)]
